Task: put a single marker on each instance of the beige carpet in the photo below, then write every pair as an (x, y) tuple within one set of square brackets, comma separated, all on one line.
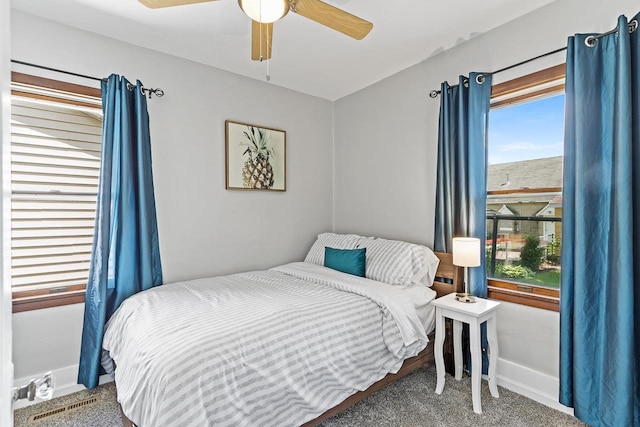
[(104, 413), (410, 402)]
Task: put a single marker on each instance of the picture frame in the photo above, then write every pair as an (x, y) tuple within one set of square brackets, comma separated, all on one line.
[(255, 157)]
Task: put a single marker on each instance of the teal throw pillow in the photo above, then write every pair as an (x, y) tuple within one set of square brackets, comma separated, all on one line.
[(350, 261)]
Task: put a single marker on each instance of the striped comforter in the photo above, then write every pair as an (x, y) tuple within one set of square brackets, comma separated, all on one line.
[(276, 347)]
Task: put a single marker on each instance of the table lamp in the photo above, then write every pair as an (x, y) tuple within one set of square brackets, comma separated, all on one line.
[(466, 253)]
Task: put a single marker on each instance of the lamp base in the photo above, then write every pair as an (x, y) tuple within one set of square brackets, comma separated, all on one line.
[(464, 297)]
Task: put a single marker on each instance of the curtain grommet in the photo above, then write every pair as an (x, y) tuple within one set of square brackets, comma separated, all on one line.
[(590, 41), (633, 25), (480, 78)]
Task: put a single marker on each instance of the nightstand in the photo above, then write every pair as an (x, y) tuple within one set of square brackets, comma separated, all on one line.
[(473, 314)]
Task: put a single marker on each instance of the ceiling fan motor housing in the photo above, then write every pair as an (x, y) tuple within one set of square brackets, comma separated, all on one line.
[(265, 11)]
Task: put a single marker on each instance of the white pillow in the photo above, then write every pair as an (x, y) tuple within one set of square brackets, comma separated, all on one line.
[(400, 263), (429, 262), (332, 240), (393, 261)]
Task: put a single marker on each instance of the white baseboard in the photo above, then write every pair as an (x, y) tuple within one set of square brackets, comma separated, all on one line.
[(535, 385), (66, 382)]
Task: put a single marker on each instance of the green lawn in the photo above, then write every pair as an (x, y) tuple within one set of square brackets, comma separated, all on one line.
[(548, 278)]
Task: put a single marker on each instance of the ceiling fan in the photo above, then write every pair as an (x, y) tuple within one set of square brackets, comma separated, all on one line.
[(265, 12)]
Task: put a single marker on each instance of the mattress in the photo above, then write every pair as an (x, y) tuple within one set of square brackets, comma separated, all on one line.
[(270, 348)]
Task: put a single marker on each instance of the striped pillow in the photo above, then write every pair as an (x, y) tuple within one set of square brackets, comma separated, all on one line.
[(427, 274), (425, 265), (332, 240), (390, 261), (399, 263)]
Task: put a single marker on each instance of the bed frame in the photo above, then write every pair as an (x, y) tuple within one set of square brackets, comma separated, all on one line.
[(448, 280)]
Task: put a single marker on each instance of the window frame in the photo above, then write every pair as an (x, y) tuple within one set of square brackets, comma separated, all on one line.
[(528, 87), (73, 294)]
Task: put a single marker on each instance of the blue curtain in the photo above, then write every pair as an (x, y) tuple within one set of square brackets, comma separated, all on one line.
[(125, 257), (461, 192), (600, 288)]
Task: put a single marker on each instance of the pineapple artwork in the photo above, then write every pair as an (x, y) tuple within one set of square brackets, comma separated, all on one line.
[(255, 157), (257, 171)]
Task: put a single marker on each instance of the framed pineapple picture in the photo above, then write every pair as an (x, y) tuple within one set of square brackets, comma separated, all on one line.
[(255, 157)]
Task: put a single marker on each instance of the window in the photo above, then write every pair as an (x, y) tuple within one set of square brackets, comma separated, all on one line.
[(524, 189), (56, 132)]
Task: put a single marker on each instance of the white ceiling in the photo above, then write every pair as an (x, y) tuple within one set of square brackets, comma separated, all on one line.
[(307, 57)]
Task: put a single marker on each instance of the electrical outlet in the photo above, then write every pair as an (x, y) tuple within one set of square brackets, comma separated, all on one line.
[(42, 388)]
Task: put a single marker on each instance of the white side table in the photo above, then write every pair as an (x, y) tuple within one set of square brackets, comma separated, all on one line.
[(474, 314)]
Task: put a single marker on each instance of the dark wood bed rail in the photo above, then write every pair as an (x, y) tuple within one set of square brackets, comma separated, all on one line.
[(448, 277)]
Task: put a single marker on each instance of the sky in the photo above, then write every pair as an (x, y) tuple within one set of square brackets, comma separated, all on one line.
[(532, 130)]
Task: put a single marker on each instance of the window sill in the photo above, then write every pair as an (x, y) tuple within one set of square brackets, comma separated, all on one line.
[(28, 301), (534, 296)]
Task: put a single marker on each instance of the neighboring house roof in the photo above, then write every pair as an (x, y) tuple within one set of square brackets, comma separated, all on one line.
[(556, 202), (536, 173), (518, 198), (546, 211), (504, 210)]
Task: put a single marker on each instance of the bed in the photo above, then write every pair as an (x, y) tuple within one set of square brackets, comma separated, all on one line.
[(292, 345)]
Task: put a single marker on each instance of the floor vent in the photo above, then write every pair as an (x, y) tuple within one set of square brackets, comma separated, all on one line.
[(64, 409)]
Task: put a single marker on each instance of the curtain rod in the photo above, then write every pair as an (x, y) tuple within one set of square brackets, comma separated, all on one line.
[(145, 91), (589, 41), (434, 93), (15, 61)]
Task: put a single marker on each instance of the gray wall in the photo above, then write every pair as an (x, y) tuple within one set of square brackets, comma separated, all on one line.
[(386, 147)]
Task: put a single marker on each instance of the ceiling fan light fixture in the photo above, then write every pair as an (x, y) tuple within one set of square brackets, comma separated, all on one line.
[(265, 11)]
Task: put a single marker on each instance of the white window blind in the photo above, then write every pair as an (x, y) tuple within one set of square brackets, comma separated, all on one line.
[(55, 161)]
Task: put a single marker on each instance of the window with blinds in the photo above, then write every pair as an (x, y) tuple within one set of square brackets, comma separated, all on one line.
[(55, 162)]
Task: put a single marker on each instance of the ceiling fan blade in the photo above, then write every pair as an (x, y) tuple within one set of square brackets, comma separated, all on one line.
[(261, 37), (332, 17), (155, 4)]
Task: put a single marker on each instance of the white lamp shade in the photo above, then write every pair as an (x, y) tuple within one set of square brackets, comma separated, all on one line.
[(265, 11), (466, 251)]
